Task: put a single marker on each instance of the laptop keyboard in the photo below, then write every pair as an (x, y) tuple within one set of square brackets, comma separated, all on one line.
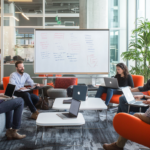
[(138, 103), (66, 114), (4, 96)]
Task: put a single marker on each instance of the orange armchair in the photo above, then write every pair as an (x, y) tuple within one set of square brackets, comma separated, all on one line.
[(132, 128), (6, 81), (138, 80)]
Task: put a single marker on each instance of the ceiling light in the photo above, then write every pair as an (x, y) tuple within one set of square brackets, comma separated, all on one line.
[(24, 16), (20, 0), (15, 18)]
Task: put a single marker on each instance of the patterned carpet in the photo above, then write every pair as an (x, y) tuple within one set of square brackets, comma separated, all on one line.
[(91, 136)]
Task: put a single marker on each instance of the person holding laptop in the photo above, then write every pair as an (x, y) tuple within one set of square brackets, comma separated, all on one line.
[(120, 143), (19, 78), (124, 79), (122, 107), (13, 109)]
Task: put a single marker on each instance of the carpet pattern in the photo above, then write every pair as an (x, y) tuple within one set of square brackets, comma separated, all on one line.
[(90, 136)]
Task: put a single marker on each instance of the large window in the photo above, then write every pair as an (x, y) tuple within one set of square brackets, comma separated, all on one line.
[(117, 26)]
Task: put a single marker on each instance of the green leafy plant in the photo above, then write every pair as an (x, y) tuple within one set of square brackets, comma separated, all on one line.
[(139, 49)]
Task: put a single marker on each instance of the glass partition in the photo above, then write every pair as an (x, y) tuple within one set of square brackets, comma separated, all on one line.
[(20, 19), (117, 25)]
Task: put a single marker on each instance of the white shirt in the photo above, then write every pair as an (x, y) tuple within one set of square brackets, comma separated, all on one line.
[(20, 80)]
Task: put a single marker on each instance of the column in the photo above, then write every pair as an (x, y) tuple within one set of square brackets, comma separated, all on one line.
[(93, 14)]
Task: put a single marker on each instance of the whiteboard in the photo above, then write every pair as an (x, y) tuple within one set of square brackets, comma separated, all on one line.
[(59, 51)]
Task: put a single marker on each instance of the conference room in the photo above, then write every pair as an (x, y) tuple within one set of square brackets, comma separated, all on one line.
[(75, 74)]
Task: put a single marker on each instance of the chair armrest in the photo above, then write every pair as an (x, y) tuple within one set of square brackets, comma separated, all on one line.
[(132, 128), (36, 92)]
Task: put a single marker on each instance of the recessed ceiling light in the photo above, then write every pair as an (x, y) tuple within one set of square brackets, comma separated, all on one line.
[(15, 18), (24, 16)]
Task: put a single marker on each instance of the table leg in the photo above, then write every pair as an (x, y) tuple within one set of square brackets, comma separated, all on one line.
[(106, 119), (43, 135), (128, 109), (36, 135), (82, 134), (140, 109), (42, 97)]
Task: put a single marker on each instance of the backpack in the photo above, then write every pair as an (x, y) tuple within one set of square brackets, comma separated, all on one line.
[(42, 104), (70, 91)]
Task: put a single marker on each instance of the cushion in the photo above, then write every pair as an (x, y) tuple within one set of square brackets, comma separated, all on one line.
[(65, 82), (55, 93), (114, 99)]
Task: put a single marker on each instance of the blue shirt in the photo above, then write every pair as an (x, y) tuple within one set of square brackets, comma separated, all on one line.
[(20, 80)]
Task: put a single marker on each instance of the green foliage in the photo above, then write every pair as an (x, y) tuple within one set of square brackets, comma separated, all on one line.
[(139, 49)]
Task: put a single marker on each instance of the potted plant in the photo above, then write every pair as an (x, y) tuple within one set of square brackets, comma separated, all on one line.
[(139, 49)]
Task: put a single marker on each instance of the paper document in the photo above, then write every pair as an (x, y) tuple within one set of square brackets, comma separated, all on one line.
[(25, 90)]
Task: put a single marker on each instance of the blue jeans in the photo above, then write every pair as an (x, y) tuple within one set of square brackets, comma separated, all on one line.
[(123, 107), (13, 109), (109, 92), (29, 98)]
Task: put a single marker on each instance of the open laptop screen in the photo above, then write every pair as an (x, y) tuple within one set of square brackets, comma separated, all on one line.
[(74, 108), (10, 90), (128, 95)]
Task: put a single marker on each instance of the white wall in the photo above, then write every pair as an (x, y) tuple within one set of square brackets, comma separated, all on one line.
[(97, 14)]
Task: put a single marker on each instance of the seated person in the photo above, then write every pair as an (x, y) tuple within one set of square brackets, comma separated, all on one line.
[(13, 109), (145, 117), (122, 100), (19, 78), (124, 79)]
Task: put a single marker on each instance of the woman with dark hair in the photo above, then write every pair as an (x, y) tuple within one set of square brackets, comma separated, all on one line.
[(124, 79)]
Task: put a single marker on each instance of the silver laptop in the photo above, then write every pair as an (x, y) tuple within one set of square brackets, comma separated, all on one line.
[(111, 83), (130, 99), (9, 92), (73, 111)]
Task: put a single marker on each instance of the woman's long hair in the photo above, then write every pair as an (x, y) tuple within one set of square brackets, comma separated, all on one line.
[(124, 68)]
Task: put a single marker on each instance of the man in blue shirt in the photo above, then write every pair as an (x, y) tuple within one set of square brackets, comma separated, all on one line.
[(19, 78)]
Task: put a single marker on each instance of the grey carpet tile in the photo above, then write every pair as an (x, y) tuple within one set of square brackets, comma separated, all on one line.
[(90, 136)]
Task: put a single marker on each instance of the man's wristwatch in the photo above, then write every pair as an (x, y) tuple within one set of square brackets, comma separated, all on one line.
[(144, 97)]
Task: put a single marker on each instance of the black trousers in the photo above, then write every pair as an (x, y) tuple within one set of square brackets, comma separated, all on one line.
[(29, 98)]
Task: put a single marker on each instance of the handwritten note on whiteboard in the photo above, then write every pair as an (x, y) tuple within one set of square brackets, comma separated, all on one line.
[(71, 51)]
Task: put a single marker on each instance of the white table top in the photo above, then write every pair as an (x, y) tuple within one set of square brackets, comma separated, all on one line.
[(51, 119), (91, 103)]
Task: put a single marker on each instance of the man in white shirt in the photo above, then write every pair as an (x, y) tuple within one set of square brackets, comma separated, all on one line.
[(19, 78)]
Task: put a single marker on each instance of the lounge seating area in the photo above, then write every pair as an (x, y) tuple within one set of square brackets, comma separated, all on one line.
[(75, 75), (97, 130)]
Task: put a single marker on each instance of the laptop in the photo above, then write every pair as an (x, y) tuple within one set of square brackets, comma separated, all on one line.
[(73, 111), (9, 92), (111, 83), (130, 99), (79, 93)]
